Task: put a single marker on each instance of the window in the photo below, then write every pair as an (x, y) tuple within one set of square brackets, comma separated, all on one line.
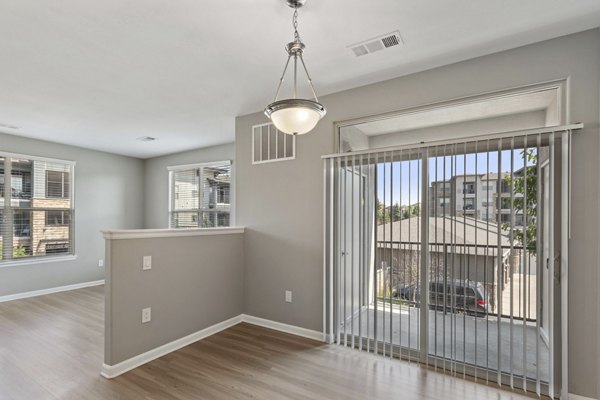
[(505, 203), (469, 204), (37, 207), (505, 187), (469, 187), (57, 218), (200, 195), (57, 184)]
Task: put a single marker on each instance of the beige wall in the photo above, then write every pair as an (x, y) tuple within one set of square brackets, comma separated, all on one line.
[(195, 282), (281, 203)]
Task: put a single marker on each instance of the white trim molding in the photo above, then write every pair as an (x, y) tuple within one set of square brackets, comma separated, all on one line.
[(199, 165), (279, 326), (42, 292), (37, 260), (162, 233), (112, 371), (578, 397)]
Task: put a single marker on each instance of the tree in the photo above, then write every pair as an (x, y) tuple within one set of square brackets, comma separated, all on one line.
[(411, 211), (383, 213), (525, 184), (18, 251), (396, 212)]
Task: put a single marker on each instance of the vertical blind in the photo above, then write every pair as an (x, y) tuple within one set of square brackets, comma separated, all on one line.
[(200, 196), (36, 207), (445, 254)]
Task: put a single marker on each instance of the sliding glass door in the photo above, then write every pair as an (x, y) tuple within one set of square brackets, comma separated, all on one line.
[(444, 254)]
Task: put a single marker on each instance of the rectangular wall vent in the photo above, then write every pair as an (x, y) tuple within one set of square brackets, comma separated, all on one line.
[(270, 144), (380, 43)]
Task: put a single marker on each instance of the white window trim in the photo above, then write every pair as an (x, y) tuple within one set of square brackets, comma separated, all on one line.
[(48, 259), (198, 165), (183, 167), (38, 260)]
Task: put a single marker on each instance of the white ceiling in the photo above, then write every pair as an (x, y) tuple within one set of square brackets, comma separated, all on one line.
[(99, 74)]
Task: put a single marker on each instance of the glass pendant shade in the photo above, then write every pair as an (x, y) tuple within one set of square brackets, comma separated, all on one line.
[(295, 116)]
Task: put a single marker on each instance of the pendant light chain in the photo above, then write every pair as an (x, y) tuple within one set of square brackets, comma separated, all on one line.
[(295, 24)]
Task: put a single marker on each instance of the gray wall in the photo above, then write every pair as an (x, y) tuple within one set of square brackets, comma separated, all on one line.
[(532, 119), (281, 203), (202, 286), (108, 194), (156, 188)]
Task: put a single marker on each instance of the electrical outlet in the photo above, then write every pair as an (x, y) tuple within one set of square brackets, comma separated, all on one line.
[(146, 315), (101, 263), (147, 263), (288, 296)]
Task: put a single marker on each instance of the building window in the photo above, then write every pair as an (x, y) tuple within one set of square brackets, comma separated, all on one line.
[(37, 207), (505, 203), (469, 204), (200, 195), (57, 184), (469, 188), (57, 218)]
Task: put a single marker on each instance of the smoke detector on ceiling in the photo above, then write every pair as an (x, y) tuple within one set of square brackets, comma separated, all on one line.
[(146, 139), (392, 39)]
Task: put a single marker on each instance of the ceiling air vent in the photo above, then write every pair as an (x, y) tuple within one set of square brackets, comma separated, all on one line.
[(380, 43)]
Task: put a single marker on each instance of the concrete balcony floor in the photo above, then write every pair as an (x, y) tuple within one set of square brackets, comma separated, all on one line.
[(459, 337)]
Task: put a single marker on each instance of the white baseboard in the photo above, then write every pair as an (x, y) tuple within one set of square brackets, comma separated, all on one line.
[(279, 326), (578, 397), (42, 292), (112, 371)]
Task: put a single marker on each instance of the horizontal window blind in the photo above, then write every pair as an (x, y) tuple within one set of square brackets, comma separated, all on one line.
[(36, 207), (200, 196)]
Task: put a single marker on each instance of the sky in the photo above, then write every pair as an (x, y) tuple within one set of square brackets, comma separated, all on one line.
[(406, 175)]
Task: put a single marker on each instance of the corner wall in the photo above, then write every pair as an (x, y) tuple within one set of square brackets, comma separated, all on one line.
[(280, 204), (108, 194)]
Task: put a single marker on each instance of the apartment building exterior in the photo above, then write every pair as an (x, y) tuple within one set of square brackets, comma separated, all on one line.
[(475, 196)]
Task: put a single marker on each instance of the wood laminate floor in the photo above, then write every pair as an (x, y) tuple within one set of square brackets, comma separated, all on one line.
[(51, 348)]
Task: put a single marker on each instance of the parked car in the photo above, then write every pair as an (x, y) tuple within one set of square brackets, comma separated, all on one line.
[(450, 296)]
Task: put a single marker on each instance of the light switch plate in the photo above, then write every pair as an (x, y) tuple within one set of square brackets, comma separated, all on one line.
[(288, 296), (147, 263), (101, 263)]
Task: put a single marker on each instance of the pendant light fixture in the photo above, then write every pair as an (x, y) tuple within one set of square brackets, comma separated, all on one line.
[(295, 116)]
